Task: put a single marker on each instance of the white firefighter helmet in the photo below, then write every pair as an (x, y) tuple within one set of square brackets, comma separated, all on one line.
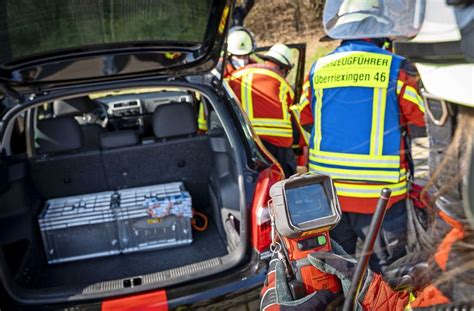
[(442, 37), (356, 19), (281, 54), (358, 10), (240, 41)]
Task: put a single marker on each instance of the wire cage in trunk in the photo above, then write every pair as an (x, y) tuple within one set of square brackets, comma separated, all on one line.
[(109, 223)]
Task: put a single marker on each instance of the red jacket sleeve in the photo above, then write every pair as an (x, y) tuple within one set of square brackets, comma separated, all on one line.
[(304, 106), (381, 297), (411, 104)]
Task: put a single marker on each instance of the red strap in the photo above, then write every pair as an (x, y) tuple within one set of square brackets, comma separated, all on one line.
[(416, 195), (451, 221), (442, 254)]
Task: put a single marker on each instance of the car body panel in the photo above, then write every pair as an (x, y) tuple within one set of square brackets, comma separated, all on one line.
[(65, 73)]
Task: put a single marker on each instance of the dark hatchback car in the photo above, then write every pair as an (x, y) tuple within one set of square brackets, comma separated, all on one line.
[(104, 96)]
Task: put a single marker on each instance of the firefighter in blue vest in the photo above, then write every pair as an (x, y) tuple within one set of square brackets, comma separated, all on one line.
[(357, 104), (438, 275)]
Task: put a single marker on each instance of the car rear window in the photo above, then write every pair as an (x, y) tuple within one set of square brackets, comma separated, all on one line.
[(30, 27)]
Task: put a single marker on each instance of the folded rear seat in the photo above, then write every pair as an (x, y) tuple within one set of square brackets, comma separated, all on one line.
[(59, 168), (178, 154)]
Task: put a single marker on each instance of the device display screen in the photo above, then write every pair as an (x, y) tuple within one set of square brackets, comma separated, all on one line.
[(308, 203)]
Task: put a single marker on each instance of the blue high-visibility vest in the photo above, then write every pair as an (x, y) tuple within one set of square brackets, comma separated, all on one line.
[(357, 132)]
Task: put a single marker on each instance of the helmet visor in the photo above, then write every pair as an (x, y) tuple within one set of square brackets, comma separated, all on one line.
[(357, 19)]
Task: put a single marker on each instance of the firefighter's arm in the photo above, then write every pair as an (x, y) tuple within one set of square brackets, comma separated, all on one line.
[(411, 103), (276, 295), (289, 98), (380, 296), (301, 111), (375, 293)]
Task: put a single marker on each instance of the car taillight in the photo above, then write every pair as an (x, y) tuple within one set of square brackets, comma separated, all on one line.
[(262, 230), (261, 225)]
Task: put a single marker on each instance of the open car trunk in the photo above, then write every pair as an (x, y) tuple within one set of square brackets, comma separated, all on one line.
[(28, 267), (205, 163)]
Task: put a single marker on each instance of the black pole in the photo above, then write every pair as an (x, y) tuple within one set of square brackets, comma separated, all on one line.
[(367, 250)]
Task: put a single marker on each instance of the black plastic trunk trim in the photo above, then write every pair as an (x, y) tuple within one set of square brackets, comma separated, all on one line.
[(35, 297)]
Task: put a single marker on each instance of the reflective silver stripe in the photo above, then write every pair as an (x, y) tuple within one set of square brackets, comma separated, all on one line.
[(412, 95), (296, 111), (317, 117), (375, 191), (282, 96), (379, 120), (307, 135), (351, 161), (378, 123), (383, 108), (277, 122), (392, 177), (273, 132), (247, 94), (409, 92), (399, 86)]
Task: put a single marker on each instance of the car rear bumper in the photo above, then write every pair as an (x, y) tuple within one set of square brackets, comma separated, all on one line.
[(242, 292), (239, 289)]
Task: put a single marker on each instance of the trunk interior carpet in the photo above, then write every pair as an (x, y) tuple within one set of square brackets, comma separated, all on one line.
[(206, 245)]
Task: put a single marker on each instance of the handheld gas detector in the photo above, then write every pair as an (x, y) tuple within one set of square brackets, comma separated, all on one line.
[(304, 208)]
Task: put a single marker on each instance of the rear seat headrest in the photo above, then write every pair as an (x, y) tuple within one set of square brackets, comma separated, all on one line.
[(58, 135), (119, 139), (73, 106), (174, 119)]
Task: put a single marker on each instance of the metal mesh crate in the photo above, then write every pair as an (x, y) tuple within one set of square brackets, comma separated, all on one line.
[(79, 227), (109, 223), (154, 217)]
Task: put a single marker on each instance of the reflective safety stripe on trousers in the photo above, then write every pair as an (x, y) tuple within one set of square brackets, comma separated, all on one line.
[(267, 126), (357, 174), (369, 191), (333, 73)]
